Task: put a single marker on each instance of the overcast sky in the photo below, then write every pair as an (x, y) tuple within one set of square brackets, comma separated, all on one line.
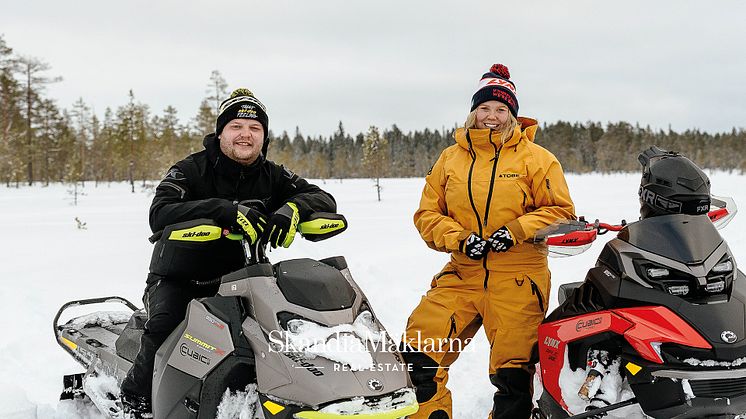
[(413, 63)]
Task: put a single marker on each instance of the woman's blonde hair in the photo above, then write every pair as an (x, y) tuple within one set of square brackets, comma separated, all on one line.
[(505, 129)]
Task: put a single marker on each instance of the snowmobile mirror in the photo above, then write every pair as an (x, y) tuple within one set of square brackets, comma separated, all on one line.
[(322, 225)]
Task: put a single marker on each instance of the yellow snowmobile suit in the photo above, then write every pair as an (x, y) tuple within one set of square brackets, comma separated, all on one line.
[(479, 185)]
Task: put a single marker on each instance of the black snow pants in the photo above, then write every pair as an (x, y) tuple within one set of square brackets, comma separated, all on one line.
[(165, 303)]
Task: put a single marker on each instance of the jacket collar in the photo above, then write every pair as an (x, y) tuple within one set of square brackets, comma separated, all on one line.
[(222, 163), (487, 139)]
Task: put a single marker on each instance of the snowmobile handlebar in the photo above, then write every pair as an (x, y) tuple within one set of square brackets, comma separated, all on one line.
[(319, 226), (571, 237)]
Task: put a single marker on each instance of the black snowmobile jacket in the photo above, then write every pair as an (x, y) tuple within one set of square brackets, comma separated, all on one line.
[(208, 184)]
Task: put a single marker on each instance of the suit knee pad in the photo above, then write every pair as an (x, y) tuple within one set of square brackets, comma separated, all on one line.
[(422, 374)]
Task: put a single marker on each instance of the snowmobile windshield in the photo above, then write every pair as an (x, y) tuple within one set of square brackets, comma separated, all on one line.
[(722, 210), (688, 239)]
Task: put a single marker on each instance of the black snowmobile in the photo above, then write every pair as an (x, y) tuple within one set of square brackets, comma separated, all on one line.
[(658, 326), (249, 347)]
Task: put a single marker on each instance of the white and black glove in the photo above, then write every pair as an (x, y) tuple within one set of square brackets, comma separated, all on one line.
[(474, 247), (501, 240)]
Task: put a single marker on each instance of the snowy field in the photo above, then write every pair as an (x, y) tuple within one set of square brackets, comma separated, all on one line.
[(47, 261)]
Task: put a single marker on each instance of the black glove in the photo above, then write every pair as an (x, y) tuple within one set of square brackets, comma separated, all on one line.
[(474, 247), (251, 223), (501, 240), (282, 226)]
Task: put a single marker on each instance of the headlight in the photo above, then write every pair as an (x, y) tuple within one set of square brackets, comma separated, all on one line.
[(657, 272), (718, 286), (722, 267), (678, 289)]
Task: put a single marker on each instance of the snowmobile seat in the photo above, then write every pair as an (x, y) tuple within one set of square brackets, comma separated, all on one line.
[(128, 343), (566, 290), (314, 285), (338, 262)]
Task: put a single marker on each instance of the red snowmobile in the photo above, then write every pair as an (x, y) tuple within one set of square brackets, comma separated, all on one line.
[(658, 326)]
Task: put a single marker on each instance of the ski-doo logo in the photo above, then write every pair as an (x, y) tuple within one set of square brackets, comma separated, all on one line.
[(193, 355), (190, 234), (329, 225), (551, 342), (585, 324), (728, 336)]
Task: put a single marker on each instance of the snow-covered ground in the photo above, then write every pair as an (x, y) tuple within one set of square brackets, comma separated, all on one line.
[(47, 260)]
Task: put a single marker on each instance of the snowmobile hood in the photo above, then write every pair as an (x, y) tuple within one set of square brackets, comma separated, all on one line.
[(688, 239), (484, 138)]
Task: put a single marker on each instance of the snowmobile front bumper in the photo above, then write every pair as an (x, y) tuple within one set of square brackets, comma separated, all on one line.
[(691, 393), (397, 405), (399, 413)]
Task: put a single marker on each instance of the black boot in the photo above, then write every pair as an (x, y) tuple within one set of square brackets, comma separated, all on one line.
[(135, 406), (512, 399)]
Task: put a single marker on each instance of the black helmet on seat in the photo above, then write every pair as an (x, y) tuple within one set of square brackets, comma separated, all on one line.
[(671, 184)]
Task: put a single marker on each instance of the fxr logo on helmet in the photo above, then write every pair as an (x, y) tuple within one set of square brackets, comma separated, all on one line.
[(653, 199)]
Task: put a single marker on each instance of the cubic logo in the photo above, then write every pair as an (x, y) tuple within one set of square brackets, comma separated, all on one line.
[(192, 354), (585, 324)]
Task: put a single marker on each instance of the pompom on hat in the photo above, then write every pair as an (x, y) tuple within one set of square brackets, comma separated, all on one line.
[(496, 85)]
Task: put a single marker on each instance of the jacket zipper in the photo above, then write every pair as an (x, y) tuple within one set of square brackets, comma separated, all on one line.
[(238, 184), (453, 327), (489, 199), (471, 170), (535, 291), (551, 193), (492, 181)]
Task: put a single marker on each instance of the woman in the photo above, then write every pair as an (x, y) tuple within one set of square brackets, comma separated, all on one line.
[(483, 201)]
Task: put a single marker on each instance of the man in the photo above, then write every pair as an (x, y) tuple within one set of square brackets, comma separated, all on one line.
[(210, 184)]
